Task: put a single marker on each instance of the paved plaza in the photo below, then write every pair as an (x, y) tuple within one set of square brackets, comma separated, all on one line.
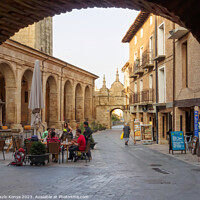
[(116, 172)]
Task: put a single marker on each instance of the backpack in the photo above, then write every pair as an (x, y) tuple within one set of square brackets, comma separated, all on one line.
[(19, 157)]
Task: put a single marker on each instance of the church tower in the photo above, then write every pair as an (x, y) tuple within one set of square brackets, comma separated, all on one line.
[(37, 36)]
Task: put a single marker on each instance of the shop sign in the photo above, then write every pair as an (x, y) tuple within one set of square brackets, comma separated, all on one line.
[(196, 124)]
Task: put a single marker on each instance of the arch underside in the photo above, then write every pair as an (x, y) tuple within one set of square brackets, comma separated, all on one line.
[(19, 14)]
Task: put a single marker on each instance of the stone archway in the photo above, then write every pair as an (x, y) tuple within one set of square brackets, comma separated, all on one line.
[(19, 14), (51, 102), (111, 112), (68, 97), (25, 95), (78, 103), (87, 104), (2, 100), (8, 93)]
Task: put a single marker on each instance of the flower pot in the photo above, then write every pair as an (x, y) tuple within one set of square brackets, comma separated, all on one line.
[(39, 159)]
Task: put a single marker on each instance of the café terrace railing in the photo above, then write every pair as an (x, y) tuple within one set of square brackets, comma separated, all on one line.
[(146, 96)]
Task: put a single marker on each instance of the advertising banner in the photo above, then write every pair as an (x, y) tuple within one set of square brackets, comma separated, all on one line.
[(177, 141), (196, 124)]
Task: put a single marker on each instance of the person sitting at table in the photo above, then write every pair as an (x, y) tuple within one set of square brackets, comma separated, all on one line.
[(53, 138), (67, 132), (80, 145), (46, 133)]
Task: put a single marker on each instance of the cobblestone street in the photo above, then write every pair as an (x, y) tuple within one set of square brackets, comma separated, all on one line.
[(116, 172)]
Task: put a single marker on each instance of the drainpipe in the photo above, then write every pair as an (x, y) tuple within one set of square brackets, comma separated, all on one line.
[(156, 70), (174, 83)]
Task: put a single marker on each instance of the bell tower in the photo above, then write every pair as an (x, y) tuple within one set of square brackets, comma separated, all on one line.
[(37, 36)]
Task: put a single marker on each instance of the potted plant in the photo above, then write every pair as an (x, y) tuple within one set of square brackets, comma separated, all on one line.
[(38, 154)]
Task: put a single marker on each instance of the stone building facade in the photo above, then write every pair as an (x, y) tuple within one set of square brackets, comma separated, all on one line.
[(108, 100), (37, 36), (175, 58), (68, 90), (141, 70)]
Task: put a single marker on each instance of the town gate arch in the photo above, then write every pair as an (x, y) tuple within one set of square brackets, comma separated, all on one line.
[(107, 100)]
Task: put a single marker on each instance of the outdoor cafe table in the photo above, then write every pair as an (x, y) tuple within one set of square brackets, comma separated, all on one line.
[(66, 145)]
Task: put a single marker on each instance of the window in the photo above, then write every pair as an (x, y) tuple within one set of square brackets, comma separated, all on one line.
[(151, 50), (141, 85), (151, 20), (163, 126), (161, 85), (141, 52), (135, 39), (135, 87), (151, 81), (184, 65), (181, 122), (141, 32), (135, 56), (161, 39)]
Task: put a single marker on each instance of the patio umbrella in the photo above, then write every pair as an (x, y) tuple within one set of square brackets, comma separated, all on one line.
[(36, 102)]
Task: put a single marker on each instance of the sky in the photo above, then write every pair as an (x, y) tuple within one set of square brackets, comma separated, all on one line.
[(91, 39)]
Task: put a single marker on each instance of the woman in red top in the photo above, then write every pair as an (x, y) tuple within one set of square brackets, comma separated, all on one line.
[(79, 146)]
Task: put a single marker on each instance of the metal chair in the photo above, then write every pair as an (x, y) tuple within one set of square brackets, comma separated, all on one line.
[(2, 145)]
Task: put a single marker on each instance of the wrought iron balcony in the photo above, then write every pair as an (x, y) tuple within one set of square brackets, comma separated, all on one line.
[(147, 59), (138, 70), (146, 96)]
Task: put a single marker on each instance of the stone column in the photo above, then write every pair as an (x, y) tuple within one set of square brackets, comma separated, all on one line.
[(44, 96), (83, 103), (73, 110)]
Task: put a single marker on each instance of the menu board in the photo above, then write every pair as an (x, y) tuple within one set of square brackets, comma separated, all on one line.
[(177, 141), (146, 132), (137, 132)]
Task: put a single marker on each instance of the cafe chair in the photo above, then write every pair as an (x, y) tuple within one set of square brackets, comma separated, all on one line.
[(54, 148), (82, 154), (2, 145)]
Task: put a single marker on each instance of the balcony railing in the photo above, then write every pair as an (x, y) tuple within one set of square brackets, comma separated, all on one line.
[(147, 59), (146, 96), (137, 67)]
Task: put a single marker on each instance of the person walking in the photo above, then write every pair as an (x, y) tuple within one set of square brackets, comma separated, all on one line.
[(87, 134), (127, 131)]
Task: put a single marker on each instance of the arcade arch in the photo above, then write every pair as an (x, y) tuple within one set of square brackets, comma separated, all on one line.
[(78, 103), (87, 104), (25, 94), (8, 90), (51, 102), (68, 97)]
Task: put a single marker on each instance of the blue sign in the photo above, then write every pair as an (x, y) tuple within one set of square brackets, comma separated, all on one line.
[(177, 139), (196, 124)]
